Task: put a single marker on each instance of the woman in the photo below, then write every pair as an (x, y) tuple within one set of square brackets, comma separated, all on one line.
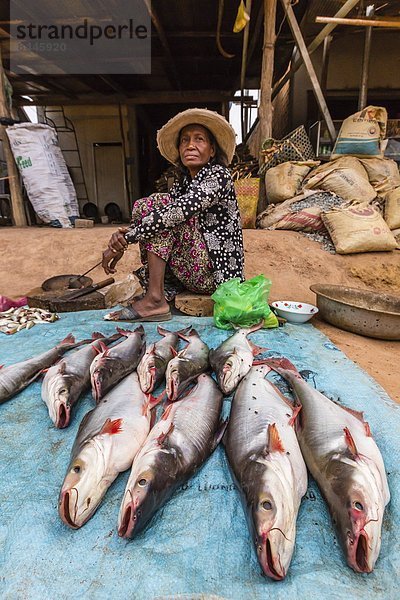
[(194, 232)]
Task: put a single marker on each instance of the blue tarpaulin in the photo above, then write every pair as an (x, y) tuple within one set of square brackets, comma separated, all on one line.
[(198, 545)]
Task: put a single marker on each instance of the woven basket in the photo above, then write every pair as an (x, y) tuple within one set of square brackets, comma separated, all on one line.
[(247, 196), (296, 146)]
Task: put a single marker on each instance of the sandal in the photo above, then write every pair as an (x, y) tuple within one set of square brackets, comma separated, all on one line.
[(132, 315)]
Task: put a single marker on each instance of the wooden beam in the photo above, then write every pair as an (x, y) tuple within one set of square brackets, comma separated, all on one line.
[(267, 70), (295, 29), (164, 42), (17, 202), (376, 22), (243, 67), (317, 41)]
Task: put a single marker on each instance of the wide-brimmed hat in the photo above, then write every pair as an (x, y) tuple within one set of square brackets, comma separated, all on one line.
[(167, 136)]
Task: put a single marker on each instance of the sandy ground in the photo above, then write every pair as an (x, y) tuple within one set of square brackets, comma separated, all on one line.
[(29, 256)]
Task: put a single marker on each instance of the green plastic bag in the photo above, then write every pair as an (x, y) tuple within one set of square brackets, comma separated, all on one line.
[(243, 303)]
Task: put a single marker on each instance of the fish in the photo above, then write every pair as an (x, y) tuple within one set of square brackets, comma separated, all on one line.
[(113, 364), (152, 367), (186, 435), (266, 462), (186, 365), (107, 441), (347, 465), (65, 381), (233, 359), (17, 318), (15, 378)]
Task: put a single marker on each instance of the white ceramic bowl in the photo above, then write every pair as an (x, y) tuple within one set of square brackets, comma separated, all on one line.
[(294, 312)]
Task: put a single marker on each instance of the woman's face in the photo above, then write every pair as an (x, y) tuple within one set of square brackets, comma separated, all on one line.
[(195, 148)]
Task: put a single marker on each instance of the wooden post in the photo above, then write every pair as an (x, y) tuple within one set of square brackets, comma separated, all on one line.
[(298, 37), (362, 98), (387, 22), (317, 41), (17, 202), (243, 69), (267, 70)]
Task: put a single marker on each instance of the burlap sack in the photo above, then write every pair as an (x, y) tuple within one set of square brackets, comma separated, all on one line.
[(362, 134), (359, 228), (383, 173), (345, 176), (392, 208), (284, 181), (307, 219)]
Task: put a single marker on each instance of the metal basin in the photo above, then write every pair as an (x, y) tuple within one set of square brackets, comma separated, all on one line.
[(62, 282), (372, 314)]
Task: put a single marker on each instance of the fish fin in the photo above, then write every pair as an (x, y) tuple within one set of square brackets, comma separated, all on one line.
[(219, 434), (162, 331), (103, 347), (282, 364), (96, 335), (185, 331), (97, 350), (62, 367), (356, 413), (163, 436), (124, 332), (1, 366), (256, 349), (255, 327), (153, 401), (70, 339), (111, 427), (186, 336), (259, 362), (166, 412), (294, 416), (350, 443), (274, 439), (367, 429), (173, 351)]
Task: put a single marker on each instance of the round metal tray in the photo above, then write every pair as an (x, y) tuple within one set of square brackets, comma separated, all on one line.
[(62, 282), (372, 314)]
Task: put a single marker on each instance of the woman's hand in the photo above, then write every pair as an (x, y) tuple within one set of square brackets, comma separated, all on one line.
[(110, 259), (115, 250), (117, 241)]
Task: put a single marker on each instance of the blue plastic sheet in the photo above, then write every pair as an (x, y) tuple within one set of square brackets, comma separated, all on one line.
[(198, 545)]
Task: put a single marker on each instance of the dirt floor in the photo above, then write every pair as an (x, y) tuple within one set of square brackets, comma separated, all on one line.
[(292, 261)]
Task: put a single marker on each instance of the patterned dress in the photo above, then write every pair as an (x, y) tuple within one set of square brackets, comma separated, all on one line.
[(195, 228)]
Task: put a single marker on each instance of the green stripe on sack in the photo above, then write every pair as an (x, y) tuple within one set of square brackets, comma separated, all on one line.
[(349, 146)]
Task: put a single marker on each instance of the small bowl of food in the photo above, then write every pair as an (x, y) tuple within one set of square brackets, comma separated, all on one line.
[(294, 312)]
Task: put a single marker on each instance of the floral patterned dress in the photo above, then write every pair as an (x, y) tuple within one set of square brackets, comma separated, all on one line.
[(195, 228)]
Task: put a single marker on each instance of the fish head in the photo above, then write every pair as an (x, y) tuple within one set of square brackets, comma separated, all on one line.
[(232, 371), (273, 516), (358, 515), (148, 369), (148, 486), (178, 372), (103, 377), (84, 486), (60, 400)]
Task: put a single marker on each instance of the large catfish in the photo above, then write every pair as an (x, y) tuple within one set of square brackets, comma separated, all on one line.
[(188, 364), (345, 461), (152, 367), (266, 461), (15, 378), (68, 379), (176, 447), (233, 359), (113, 364), (108, 440)]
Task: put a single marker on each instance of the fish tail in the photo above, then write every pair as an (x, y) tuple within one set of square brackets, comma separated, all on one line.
[(282, 365), (70, 339), (186, 337), (96, 335)]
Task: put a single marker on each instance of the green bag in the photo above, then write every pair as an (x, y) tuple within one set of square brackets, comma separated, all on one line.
[(243, 303)]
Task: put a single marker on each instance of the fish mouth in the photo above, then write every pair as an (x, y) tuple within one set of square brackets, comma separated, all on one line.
[(63, 416), (270, 559), (128, 521), (96, 389), (358, 559), (65, 507)]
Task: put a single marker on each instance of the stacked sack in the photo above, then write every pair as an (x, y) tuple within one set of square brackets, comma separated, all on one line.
[(355, 198)]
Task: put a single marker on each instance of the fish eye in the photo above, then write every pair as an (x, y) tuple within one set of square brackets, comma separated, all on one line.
[(267, 505), (76, 469), (142, 482), (358, 506)]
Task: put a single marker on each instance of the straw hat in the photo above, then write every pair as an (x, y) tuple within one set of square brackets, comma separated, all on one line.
[(167, 136)]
